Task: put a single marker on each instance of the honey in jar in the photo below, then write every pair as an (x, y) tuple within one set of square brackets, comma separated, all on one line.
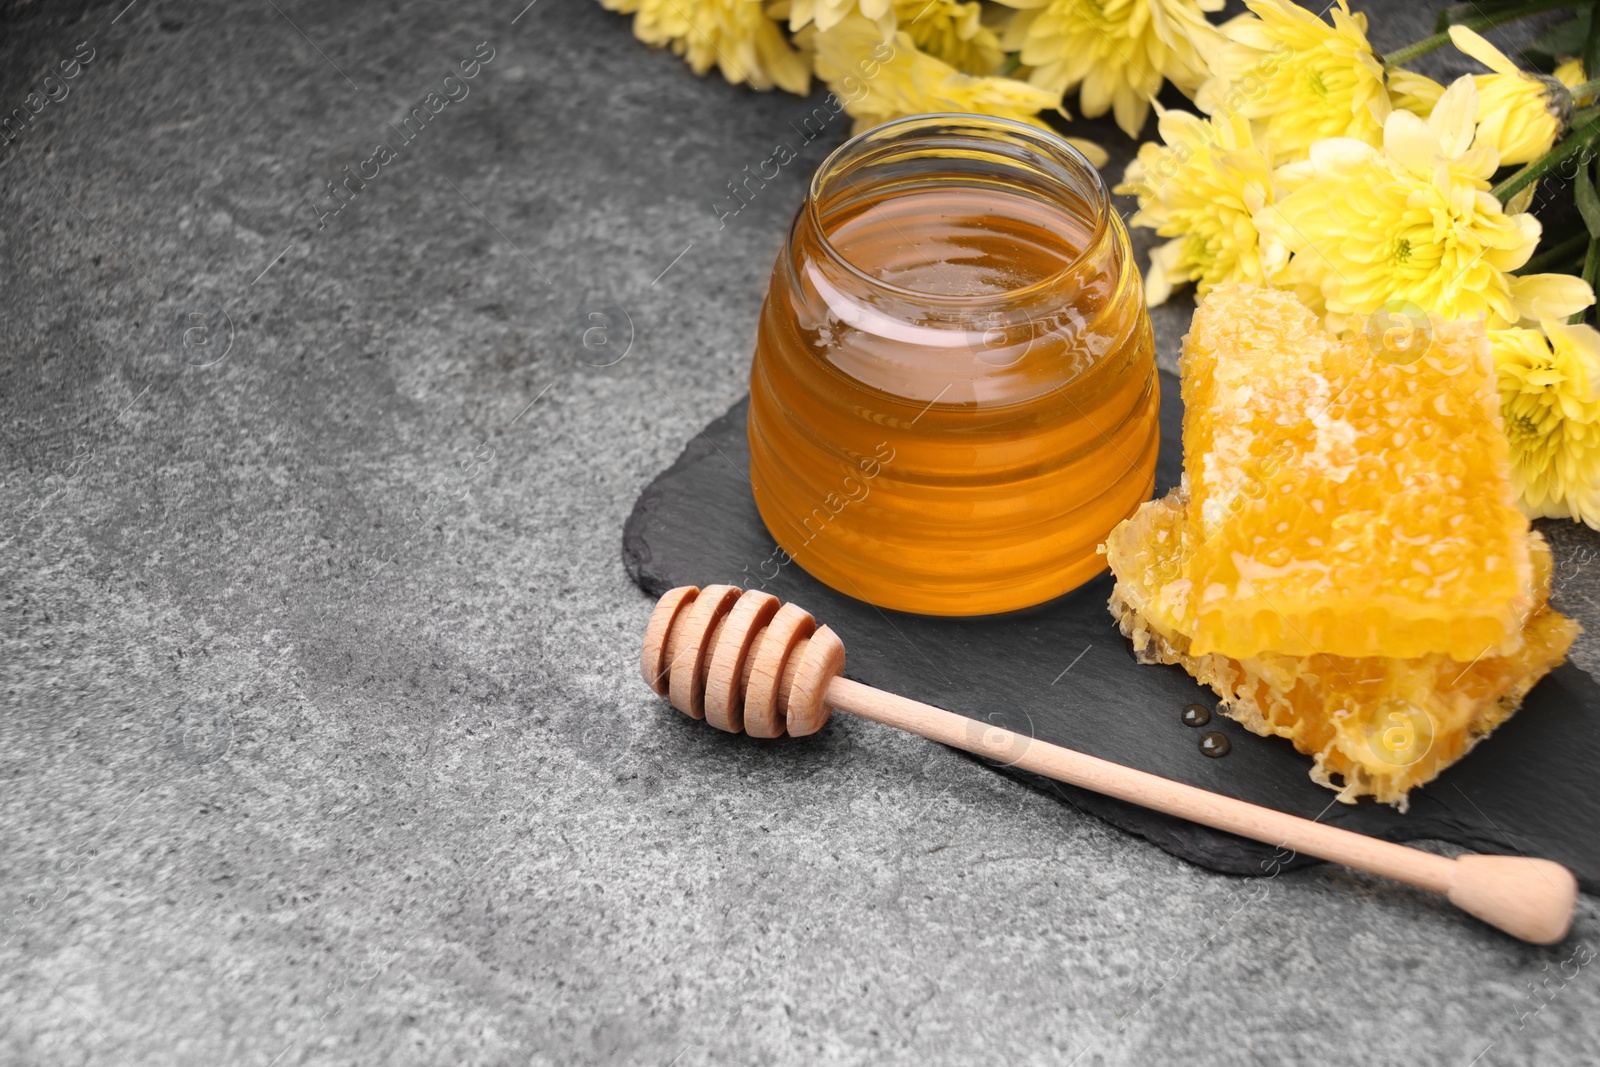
[(953, 398)]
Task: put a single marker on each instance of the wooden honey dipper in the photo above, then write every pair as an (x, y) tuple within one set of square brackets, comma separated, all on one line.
[(744, 663)]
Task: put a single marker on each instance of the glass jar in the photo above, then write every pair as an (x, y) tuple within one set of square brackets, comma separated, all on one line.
[(954, 393)]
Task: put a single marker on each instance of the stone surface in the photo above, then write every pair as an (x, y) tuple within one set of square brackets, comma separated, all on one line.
[(321, 739)]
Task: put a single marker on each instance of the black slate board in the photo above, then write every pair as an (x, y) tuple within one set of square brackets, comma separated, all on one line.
[(1531, 788)]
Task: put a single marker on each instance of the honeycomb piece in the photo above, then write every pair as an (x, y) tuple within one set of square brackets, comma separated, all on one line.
[(1373, 726), (1343, 504)]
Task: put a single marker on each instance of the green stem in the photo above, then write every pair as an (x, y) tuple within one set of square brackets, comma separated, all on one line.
[(1586, 89), (1580, 139), (1480, 22), (1561, 255)]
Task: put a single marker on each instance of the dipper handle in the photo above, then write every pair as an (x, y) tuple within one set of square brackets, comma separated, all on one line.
[(744, 663)]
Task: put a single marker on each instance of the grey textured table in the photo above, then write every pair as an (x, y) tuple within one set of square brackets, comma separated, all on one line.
[(321, 737)]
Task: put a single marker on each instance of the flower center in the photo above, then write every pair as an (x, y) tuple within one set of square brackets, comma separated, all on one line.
[(1523, 426)]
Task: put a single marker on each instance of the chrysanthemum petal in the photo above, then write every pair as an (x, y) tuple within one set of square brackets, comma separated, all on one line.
[(1454, 117), (1550, 296), (1411, 142), (1472, 43), (907, 81)]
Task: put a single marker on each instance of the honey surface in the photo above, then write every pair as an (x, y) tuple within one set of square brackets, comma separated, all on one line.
[(959, 443)]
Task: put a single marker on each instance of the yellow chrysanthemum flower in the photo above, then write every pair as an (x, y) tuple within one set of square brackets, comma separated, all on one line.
[(1301, 78), (1203, 188), (1520, 113), (735, 35), (1118, 51), (951, 30), (1415, 221), (1550, 401), (879, 80)]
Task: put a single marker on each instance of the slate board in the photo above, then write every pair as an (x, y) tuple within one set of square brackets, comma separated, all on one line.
[(1531, 788)]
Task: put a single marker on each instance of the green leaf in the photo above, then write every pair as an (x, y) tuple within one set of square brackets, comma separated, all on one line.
[(1588, 200), (1455, 14), (1591, 271), (1562, 39), (1591, 45)]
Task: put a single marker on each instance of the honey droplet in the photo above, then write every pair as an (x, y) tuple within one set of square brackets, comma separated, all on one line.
[(1215, 745), (1196, 715)]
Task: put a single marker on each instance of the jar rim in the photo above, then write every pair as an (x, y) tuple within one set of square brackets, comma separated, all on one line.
[(1041, 139)]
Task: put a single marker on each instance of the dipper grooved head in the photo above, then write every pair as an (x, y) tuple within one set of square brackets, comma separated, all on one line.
[(741, 661)]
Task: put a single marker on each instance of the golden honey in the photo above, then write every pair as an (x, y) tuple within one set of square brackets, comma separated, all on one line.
[(953, 398)]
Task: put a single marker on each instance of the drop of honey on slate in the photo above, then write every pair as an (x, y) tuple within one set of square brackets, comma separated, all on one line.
[(1196, 715), (1214, 744)]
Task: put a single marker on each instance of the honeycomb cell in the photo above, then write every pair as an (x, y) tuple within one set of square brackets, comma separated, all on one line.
[(1342, 504)]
